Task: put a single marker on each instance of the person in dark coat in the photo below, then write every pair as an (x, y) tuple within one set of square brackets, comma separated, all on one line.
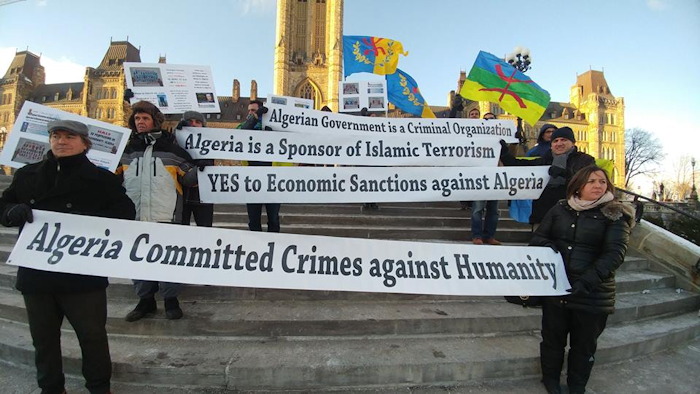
[(66, 181), (253, 121), (591, 231), (544, 141), (565, 160), (203, 213)]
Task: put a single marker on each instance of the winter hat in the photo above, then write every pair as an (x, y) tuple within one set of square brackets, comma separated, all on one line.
[(70, 126), (564, 132), (147, 108), (194, 115)]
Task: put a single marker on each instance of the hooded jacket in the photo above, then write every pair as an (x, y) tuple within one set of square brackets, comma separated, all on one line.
[(542, 146), (593, 244), (69, 185)]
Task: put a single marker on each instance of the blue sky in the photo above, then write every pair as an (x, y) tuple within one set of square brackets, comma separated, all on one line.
[(649, 49)]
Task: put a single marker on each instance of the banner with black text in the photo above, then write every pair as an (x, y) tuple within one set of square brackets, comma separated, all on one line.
[(286, 118), (345, 149), (236, 185), (209, 256)]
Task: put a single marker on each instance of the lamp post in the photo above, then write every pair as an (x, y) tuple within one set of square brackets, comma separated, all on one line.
[(521, 59), (694, 191)]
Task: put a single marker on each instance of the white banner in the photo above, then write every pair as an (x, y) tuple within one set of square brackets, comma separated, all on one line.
[(346, 149), (29, 140), (286, 118), (173, 88), (198, 255), (227, 185)]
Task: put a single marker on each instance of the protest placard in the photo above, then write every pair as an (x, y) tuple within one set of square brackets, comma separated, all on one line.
[(286, 118), (161, 252), (260, 185), (173, 88), (346, 149), (355, 95), (29, 140), (293, 101)]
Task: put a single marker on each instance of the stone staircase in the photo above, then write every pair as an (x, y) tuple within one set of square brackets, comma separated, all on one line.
[(264, 339)]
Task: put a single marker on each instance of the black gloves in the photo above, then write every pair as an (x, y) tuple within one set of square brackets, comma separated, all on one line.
[(262, 110), (578, 289), (557, 171), (204, 163), (553, 247), (18, 214), (183, 123), (128, 95), (504, 147)]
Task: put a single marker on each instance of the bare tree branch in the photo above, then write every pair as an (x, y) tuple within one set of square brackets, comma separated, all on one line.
[(643, 153)]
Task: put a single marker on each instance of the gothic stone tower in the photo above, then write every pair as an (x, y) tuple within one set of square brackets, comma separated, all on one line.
[(309, 50)]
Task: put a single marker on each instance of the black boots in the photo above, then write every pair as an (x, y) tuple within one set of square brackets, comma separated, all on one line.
[(172, 309), (145, 308), (551, 385)]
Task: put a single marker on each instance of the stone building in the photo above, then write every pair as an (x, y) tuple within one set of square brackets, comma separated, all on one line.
[(309, 50), (101, 93)]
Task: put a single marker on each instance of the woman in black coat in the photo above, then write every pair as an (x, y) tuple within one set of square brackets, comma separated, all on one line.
[(66, 181), (591, 231)]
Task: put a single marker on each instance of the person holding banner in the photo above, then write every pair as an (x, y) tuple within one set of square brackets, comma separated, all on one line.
[(253, 121), (564, 160), (203, 213), (154, 170), (590, 229), (485, 215), (66, 181)]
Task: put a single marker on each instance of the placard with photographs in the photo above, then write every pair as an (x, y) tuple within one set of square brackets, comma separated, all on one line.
[(297, 102), (355, 95), (173, 88), (29, 140)]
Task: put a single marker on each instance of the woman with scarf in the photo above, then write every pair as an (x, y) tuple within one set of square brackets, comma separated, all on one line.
[(591, 230)]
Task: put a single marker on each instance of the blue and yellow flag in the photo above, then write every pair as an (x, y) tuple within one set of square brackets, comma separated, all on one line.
[(492, 79), (403, 92), (365, 54)]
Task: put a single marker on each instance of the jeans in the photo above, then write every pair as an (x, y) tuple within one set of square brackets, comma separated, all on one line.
[(273, 217), (484, 228), (87, 313)]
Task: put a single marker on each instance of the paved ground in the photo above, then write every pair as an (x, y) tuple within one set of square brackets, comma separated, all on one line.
[(672, 371)]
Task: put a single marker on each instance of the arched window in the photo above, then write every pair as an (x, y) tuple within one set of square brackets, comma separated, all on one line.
[(99, 94), (114, 93), (308, 90)]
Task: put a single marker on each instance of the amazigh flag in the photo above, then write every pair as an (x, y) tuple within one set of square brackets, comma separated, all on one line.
[(371, 55), (403, 92), (492, 79)]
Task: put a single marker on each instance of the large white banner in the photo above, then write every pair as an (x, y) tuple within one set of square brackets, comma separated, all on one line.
[(198, 255), (286, 118), (226, 185), (173, 88), (29, 140), (346, 149)]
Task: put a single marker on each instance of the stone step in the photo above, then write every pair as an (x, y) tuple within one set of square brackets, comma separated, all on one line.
[(385, 209), (456, 222), (488, 317), (317, 363), (628, 279)]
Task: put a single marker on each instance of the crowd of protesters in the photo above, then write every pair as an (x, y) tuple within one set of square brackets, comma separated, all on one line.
[(156, 181)]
